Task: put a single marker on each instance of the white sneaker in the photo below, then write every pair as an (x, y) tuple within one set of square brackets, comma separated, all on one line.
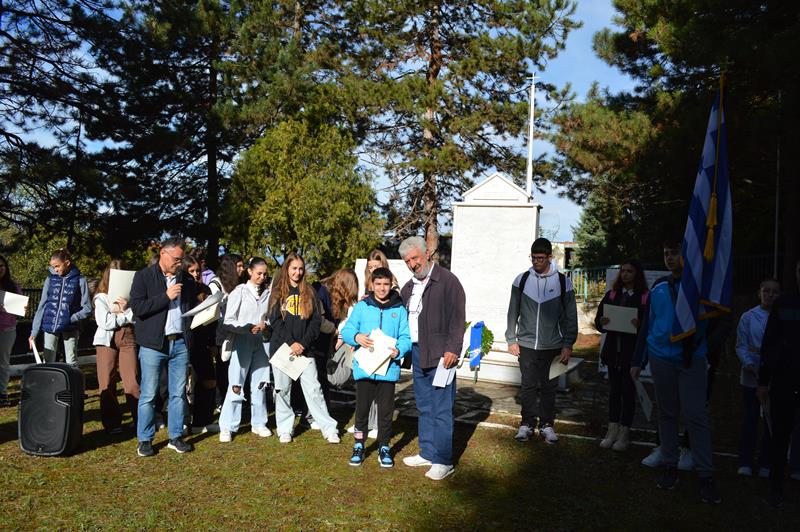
[(225, 436), (351, 429), (315, 426), (686, 462), (745, 471), (416, 461), (524, 433), (372, 434), (549, 435), (654, 459), (264, 432), (439, 471), (333, 438), (285, 438)]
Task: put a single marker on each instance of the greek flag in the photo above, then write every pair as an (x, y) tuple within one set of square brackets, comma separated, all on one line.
[(706, 282)]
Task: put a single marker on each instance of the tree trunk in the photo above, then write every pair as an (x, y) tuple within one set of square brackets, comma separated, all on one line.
[(430, 204), (212, 188)]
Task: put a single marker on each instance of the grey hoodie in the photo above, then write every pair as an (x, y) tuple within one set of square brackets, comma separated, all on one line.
[(537, 319)]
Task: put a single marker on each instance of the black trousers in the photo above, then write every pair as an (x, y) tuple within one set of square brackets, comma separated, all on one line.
[(205, 399), (537, 391), (382, 393), (621, 395), (784, 406)]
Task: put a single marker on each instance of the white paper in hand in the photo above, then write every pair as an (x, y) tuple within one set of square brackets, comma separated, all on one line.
[(370, 360), (292, 365), (13, 303), (208, 302), (119, 284), (206, 316), (557, 368), (36, 354), (443, 376), (619, 318)]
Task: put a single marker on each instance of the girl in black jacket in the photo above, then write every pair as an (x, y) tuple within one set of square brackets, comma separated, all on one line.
[(629, 290)]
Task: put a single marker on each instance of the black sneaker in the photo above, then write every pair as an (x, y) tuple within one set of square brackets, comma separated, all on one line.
[(708, 491), (179, 446), (669, 479), (384, 457), (145, 449), (358, 454)]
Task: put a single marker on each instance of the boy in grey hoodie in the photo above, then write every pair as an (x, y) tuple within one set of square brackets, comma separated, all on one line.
[(542, 325)]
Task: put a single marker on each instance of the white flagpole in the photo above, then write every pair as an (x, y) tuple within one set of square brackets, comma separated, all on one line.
[(529, 177)]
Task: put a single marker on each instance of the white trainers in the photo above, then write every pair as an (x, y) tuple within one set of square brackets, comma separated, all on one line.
[(524, 433), (611, 436), (549, 435), (285, 438), (440, 471), (745, 471), (225, 436), (685, 462), (654, 459), (351, 429), (315, 426), (372, 434), (416, 461), (333, 438), (263, 432)]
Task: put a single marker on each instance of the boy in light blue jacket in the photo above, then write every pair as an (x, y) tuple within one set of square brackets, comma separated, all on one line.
[(382, 309)]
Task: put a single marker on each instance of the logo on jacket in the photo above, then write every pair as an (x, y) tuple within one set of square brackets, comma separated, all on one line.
[(394, 315)]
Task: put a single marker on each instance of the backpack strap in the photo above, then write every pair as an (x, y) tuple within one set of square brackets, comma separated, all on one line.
[(562, 279), (522, 282)]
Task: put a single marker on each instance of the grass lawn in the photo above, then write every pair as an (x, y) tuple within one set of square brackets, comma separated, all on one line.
[(259, 483)]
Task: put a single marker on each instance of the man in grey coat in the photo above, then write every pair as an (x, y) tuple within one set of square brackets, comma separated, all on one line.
[(542, 325)]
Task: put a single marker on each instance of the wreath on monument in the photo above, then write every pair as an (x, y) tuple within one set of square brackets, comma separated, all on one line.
[(479, 340)]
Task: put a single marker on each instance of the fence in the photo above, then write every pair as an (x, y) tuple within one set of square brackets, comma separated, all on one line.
[(748, 271)]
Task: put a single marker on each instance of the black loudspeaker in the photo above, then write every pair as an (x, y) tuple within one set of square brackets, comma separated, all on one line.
[(51, 409)]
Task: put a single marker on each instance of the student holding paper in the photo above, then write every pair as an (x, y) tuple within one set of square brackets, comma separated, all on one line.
[(629, 290), (382, 309), (115, 347), (8, 330), (201, 359), (65, 301), (295, 321), (245, 313)]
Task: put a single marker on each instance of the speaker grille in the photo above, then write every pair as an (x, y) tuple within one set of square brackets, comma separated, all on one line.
[(45, 410), (64, 397)]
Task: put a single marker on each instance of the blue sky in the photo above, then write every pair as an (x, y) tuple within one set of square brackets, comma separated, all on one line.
[(579, 66)]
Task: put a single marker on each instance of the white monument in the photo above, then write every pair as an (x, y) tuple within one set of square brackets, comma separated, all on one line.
[(493, 229)]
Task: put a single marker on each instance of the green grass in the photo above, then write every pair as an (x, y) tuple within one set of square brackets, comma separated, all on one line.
[(258, 483)]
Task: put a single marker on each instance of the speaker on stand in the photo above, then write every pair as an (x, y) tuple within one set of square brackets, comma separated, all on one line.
[(51, 410)]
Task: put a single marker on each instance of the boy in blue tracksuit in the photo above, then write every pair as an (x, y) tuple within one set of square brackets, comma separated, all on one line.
[(382, 309), (679, 376)]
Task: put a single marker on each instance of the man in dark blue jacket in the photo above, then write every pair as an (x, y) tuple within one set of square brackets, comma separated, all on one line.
[(160, 294)]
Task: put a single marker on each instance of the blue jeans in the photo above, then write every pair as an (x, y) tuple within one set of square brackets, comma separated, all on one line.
[(176, 359), (248, 356), (435, 405)]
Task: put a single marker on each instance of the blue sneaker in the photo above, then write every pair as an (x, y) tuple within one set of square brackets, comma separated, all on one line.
[(358, 454), (384, 457)]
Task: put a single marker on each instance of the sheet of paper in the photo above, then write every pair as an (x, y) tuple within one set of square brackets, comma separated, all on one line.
[(620, 318), (644, 399), (291, 365), (210, 301), (36, 354), (557, 368), (443, 377), (14, 303), (383, 345), (370, 360), (119, 284), (206, 316)]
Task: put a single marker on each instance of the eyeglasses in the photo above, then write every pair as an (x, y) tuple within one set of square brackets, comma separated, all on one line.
[(538, 258), (173, 257)]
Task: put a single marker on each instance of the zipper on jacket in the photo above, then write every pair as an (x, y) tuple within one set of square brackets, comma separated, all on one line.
[(60, 301)]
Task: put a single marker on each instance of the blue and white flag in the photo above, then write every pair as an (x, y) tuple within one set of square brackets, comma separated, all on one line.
[(707, 279), (475, 341)]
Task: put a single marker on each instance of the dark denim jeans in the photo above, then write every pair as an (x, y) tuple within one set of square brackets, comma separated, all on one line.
[(435, 407)]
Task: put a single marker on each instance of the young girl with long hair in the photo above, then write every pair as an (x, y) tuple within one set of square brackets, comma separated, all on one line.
[(8, 330), (245, 314), (229, 274), (115, 348), (629, 290), (65, 301), (376, 259), (201, 358), (295, 320)]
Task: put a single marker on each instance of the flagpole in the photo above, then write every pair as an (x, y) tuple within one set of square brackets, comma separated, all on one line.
[(529, 173)]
